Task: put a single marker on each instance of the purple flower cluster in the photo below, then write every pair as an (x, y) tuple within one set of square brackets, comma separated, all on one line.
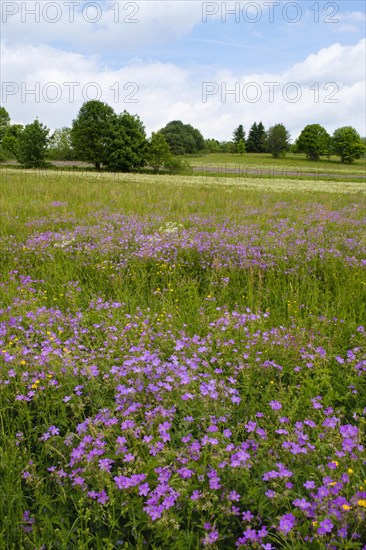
[(240, 430)]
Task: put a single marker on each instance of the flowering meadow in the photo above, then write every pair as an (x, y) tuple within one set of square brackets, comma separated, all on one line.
[(181, 366)]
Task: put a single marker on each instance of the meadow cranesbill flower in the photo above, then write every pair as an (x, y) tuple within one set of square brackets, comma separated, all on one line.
[(325, 526), (286, 523), (275, 405), (211, 537), (27, 522), (157, 407), (247, 516), (234, 496)]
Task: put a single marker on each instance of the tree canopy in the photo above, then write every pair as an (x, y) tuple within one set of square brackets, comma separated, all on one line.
[(118, 142), (212, 146), (347, 143), (241, 147), (314, 141), (182, 138), (91, 132), (256, 142), (238, 136), (10, 142), (158, 152), (127, 145), (61, 145), (4, 122), (278, 140), (100, 136), (32, 147)]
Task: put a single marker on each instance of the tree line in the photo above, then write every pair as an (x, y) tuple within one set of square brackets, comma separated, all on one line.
[(314, 141), (118, 142)]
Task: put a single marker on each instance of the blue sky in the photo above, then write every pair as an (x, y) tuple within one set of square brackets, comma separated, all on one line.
[(173, 48)]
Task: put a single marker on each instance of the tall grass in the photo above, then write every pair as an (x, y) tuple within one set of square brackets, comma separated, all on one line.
[(198, 335)]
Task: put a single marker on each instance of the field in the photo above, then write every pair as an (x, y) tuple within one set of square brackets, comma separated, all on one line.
[(182, 362), (297, 163)]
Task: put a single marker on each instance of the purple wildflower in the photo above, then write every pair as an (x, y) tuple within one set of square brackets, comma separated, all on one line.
[(286, 523), (275, 405)]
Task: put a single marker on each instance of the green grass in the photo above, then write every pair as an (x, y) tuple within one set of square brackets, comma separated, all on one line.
[(143, 289), (27, 197), (292, 162)]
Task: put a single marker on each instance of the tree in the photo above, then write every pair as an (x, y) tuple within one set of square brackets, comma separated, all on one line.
[(10, 142), (277, 142), (91, 132), (238, 135), (347, 143), (256, 142), (261, 138), (241, 147), (313, 141), (199, 140), (158, 152), (227, 147), (182, 138), (61, 145), (4, 122), (32, 147), (212, 145), (127, 146)]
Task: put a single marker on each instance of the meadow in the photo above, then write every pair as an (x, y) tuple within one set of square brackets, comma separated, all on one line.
[(182, 362), (297, 163)]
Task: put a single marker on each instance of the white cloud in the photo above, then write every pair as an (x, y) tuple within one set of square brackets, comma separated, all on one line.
[(343, 63), (351, 22), (166, 91), (97, 26)]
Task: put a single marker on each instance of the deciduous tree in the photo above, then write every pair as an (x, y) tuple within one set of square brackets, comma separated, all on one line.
[(212, 145), (182, 138), (158, 152), (61, 145), (241, 147), (347, 143), (10, 142), (278, 139), (313, 141), (238, 136), (4, 122), (127, 147), (33, 142), (92, 131)]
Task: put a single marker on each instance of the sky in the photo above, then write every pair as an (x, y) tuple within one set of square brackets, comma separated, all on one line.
[(214, 65)]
